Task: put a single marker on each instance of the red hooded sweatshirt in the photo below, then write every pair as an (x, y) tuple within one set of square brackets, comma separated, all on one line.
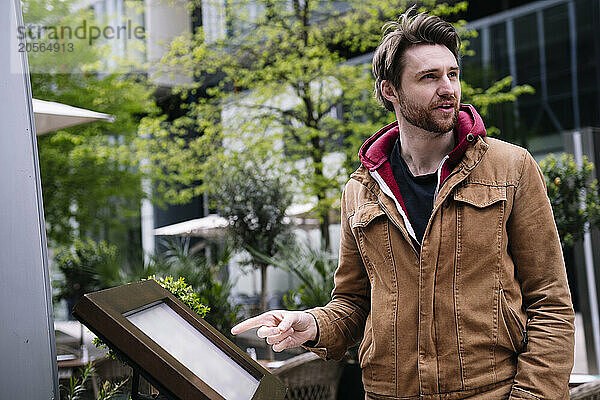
[(375, 151)]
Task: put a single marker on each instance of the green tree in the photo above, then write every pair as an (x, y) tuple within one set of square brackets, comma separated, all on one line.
[(253, 195), (282, 83), (573, 194), (90, 179)]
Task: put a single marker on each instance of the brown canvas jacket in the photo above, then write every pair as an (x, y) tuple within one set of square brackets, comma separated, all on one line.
[(483, 302)]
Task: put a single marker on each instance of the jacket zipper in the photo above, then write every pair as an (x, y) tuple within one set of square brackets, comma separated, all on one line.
[(406, 236), (520, 326), (439, 205), (386, 211), (439, 175)]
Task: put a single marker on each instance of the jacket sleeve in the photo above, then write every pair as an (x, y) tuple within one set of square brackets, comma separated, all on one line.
[(543, 369), (341, 322)]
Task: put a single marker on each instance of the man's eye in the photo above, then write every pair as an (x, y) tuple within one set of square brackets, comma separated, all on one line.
[(453, 74), (429, 76)]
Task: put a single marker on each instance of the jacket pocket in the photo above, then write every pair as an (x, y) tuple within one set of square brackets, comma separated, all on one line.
[(480, 196), (371, 236), (512, 326), (480, 226), (364, 350)]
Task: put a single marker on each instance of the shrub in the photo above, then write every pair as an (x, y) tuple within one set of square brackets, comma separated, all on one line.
[(183, 292), (573, 195), (86, 267), (313, 267)]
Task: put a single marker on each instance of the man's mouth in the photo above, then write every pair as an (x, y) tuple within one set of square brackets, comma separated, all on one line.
[(447, 107)]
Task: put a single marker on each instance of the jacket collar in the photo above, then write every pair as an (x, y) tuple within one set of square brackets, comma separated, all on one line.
[(471, 158)]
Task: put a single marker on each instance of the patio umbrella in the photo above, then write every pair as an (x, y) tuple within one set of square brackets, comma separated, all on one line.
[(51, 116), (211, 226), (301, 216), (214, 226)]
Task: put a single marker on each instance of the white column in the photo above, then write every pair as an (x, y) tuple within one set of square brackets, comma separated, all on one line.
[(147, 215), (589, 262)]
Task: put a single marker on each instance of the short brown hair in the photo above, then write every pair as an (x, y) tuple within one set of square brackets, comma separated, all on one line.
[(388, 60)]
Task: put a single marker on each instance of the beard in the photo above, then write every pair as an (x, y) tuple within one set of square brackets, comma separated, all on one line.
[(425, 118)]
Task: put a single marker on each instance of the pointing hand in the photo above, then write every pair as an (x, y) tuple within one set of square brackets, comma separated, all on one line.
[(282, 329)]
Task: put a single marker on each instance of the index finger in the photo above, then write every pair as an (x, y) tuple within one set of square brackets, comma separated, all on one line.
[(254, 322)]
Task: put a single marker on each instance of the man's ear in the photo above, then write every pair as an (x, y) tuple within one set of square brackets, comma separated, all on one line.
[(389, 92)]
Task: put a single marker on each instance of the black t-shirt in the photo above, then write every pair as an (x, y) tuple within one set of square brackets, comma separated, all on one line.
[(417, 192)]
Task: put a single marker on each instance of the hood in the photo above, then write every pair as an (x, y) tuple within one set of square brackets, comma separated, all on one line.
[(374, 155), (375, 150)]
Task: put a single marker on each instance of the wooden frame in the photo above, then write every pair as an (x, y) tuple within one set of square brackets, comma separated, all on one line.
[(103, 313)]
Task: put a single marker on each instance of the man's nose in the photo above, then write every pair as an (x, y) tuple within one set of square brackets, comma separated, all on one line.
[(445, 88)]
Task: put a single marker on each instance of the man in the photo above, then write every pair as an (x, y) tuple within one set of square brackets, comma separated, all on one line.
[(450, 265)]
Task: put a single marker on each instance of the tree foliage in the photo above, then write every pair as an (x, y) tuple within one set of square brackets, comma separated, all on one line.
[(283, 81), (499, 92), (254, 197), (90, 181), (89, 174), (253, 194), (573, 195), (86, 266)]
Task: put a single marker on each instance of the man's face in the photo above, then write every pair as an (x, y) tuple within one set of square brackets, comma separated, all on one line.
[(429, 95)]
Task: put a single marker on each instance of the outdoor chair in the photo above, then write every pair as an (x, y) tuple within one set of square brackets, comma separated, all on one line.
[(587, 391), (310, 378)]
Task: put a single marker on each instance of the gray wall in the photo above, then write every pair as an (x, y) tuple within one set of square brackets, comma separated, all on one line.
[(27, 350)]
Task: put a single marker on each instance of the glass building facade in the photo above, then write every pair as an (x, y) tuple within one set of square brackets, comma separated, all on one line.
[(552, 45)]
